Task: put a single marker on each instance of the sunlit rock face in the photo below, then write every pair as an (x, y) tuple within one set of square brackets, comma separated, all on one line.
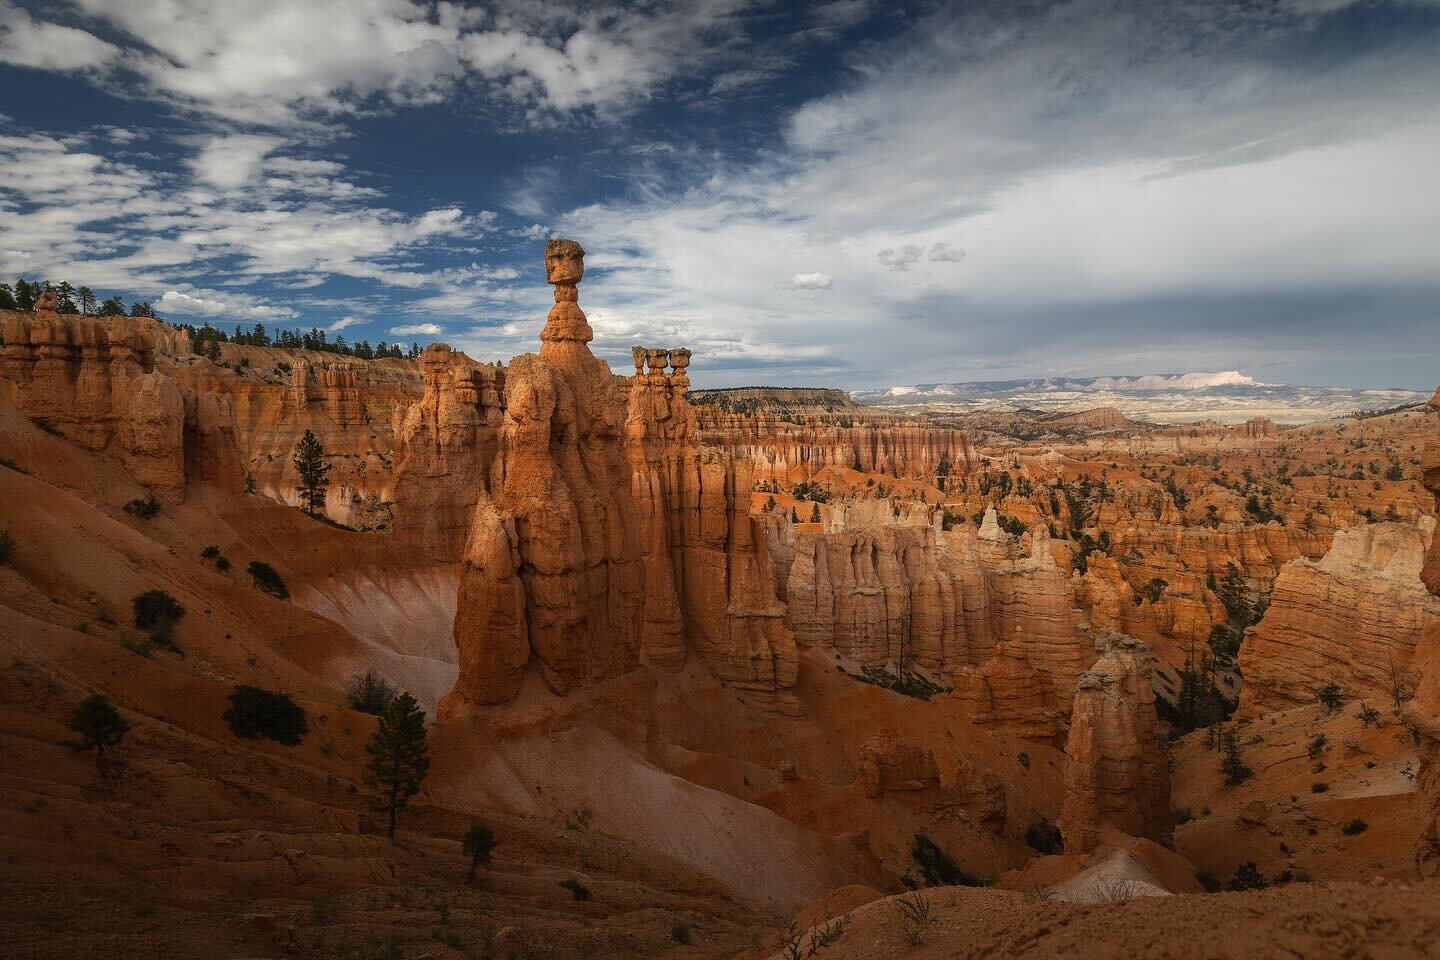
[(601, 533)]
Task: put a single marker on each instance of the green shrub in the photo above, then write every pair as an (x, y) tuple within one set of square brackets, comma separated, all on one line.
[(1330, 697), (1247, 877), (680, 933), (1319, 787), (267, 580), (99, 725), (1044, 836), (578, 889), (478, 843), (1354, 827), (210, 552), (157, 612), (143, 508), (255, 712), (370, 693)]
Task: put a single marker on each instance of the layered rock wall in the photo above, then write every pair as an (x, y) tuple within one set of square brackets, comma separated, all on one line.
[(1352, 619), (1422, 712), (796, 448)]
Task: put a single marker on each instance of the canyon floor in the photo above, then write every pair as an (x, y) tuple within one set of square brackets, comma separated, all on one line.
[(768, 675)]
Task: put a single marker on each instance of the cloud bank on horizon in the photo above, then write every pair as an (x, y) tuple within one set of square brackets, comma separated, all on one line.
[(840, 192)]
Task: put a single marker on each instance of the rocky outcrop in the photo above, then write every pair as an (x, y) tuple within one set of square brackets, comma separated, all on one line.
[(1007, 693), (604, 532), (93, 380), (1423, 710), (1352, 619), (889, 764), (1116, 776)]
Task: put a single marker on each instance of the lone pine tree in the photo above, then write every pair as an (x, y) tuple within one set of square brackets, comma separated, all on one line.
[(399, 757), (99, 725), (314, 470)]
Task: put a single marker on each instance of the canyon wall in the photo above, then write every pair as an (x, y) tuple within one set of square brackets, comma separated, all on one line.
[(794, 448), (1423, 710), (1352, 619)]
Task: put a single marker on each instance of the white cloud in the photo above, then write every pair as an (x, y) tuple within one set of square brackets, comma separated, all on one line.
[(944, 253), (233, 161), (811, 281), (343, 323), (265, 62), (899, 258), (27, 42), (205, 303), (418, 329)]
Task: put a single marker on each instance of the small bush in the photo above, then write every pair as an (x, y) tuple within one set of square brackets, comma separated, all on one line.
[(222, 564), (1317, 746), (210, 552), (1354, 827), (1247, 877), (1044, 837), (1319, 787), (7, 544), (370, 693), (1330, 697), (680, 933), (912, 917), (255, 712), (267, 580), (157, 612), (143, 508), (1024, 759), (578, 889)]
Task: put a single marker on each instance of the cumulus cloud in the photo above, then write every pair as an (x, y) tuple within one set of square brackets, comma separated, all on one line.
[(811, 281), (204, 303), (27, 42), (418, 329), (264, 62), (899, 258), (232, 161)]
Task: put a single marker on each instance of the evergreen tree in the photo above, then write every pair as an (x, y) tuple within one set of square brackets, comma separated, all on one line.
[(99, 726), (478, 843), (815, 513), (314, 469), (398, 757), (65, 298), (7, 297), (1231, 763), (86, 298), (112, 307), (24, 295)]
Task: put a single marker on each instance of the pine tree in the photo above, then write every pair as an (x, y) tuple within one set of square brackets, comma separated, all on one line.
[(7, 297), (398, 757), (314, 471), (478, 843), (99, 725), (24, 295), (65, 298), (815, 513), (86, 299), (112, 307)]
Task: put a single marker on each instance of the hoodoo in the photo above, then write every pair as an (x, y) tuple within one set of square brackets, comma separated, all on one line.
[(602, 533)]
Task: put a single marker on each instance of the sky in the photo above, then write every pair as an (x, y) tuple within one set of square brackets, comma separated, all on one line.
[(829, 193)]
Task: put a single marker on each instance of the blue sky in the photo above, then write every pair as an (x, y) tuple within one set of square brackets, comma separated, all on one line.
[(844, 192)]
